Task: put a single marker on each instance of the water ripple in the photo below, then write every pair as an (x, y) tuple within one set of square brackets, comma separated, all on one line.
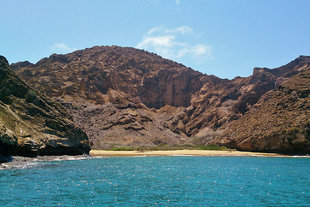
[(159, 181)]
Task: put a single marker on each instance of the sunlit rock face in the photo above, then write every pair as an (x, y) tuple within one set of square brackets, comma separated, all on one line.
[(129, 97), (32, 124)]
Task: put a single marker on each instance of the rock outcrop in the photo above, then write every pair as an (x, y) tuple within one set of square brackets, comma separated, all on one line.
[(89, 74), (120, 125), (32, 124), (280, 120), (129, 97), (114, 93)]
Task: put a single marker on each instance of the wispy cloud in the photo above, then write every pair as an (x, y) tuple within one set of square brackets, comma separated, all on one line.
[(163, 30), (171, 43), (61, 48), (177, 2)]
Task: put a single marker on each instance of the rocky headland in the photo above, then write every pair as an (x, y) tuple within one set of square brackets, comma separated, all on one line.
[(32, 124), (124, 97)]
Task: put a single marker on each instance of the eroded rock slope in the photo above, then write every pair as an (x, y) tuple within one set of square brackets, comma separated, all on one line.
[(114, 93), (280, 121), (129, 97), (32, 124)]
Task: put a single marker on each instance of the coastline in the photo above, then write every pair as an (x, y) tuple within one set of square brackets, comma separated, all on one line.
[(19, 162), (228, 153)]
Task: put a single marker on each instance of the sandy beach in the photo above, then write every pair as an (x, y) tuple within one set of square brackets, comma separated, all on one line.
[(181, 153)]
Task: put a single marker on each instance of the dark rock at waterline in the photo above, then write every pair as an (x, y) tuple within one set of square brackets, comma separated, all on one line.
[(4, 158), (32, 124), (19, 162)]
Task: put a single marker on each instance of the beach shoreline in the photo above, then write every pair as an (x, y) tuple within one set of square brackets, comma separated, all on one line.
[(19, 162), (228, 153)]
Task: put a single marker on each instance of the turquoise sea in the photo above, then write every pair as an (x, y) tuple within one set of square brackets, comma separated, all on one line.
[(159, 181)]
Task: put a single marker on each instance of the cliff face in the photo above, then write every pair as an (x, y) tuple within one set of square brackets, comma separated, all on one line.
[(32, 124), (110, 92), (129, 97), (216, 106), (280, 121), (89, 74)]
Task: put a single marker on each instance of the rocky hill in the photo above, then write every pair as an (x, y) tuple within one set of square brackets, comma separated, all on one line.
[(89, 74), (32, 124), (114, 93), (217, 105), (280, 121), (128, 97)]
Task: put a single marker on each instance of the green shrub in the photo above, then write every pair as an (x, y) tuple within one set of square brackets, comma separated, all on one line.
[(212, 147), (292, 130), (167, 147), (122, 149), (30, 96)]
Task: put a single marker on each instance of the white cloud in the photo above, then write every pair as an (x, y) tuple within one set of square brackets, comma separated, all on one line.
[(177, 2), (153, 30), (201, 49), (171, 43), (184, 30), (157, 41), (61, 48), (163, 30)]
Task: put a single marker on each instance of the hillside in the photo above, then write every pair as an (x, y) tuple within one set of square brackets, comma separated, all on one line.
[(89, 74), (280, 121), (32, 124), (128, 97), (217, 105), (113, 93)]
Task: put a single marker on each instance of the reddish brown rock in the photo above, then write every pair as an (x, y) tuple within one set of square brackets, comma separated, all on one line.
[(129, 97), (89, 74), (279, 122), (106, 85)]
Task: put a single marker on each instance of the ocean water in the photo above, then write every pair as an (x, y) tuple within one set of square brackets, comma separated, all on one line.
[(159, 181)]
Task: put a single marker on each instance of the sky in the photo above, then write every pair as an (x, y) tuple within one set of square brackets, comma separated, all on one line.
[(226, 38)]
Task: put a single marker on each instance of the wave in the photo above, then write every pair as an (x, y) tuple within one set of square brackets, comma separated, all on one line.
[(26, 162)]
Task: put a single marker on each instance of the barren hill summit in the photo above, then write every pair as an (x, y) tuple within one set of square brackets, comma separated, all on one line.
[(123, 96), (89, 74)]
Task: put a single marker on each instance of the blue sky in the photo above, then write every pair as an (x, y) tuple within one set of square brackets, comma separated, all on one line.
[(225, 38)]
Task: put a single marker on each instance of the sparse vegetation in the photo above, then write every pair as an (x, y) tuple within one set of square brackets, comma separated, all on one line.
[(30, 96), (166, 147), (212, 147), (141, 98), (122, 149)]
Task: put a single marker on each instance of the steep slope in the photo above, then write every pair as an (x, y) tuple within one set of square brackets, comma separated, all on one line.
[(217, 105), (88, 74), (110, 90), (31, 124), (129, 97), (280, 121)]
